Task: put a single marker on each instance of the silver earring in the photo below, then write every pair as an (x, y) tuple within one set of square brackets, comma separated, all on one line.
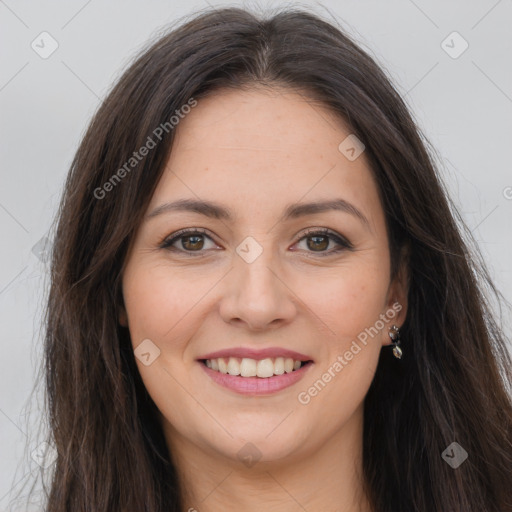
[(394, 334)]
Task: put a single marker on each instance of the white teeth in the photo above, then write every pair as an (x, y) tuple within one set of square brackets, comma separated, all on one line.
[(279, 366), (247, 367), (223, 366), (233, 366), (265, 368)]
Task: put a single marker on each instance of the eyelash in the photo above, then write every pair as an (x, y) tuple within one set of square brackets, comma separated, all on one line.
[(342, 242)]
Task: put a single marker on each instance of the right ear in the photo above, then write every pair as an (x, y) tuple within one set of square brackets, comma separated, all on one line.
[(123, 317)]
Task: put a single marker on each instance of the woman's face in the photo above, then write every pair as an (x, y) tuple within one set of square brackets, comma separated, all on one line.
[(260, 283)]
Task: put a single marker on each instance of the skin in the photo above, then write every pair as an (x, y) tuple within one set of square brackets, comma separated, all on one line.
[(255, 152)]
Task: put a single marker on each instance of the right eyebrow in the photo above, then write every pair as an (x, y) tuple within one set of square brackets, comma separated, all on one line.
[(206, 208), (292, 211)]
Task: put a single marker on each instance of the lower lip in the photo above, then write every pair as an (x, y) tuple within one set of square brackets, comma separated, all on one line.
[(257, 385)]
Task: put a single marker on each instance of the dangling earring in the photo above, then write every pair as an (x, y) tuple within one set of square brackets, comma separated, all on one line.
[(394, 334)]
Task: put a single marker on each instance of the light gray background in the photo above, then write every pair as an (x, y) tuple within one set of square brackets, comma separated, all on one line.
[(463, 105)]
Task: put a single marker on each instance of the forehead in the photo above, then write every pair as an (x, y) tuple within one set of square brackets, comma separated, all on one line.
[(263, 147), (260, 118)]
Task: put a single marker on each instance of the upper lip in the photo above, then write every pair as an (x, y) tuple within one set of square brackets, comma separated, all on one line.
[(257, 354)]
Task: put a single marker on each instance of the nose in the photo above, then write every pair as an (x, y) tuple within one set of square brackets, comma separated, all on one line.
[(256, 296)]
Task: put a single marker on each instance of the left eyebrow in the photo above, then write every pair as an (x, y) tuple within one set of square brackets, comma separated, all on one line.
[(296, 210), (292, 211)]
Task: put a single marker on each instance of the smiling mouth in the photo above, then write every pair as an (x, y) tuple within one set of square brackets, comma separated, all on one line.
[(247, 367)]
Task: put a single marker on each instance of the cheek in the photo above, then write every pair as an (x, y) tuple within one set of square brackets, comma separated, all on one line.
[(351, 308), (158, 300), (160, 307), (348, 299)]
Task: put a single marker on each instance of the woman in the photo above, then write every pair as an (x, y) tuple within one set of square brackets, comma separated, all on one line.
[(260, 295)]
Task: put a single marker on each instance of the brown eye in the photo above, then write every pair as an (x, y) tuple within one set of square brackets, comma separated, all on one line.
[(318, 242), (192, 242), (189, 241)]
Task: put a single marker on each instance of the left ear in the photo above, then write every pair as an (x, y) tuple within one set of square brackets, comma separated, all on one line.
[(397, 302)]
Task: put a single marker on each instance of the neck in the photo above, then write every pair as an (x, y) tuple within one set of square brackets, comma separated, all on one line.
[(328, 477)]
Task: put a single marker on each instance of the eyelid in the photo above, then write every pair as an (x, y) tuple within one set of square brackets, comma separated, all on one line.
[(343, 242), (167, 242), (325, 231)]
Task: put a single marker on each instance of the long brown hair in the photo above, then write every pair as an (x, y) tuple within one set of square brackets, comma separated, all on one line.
[(453, 383)]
